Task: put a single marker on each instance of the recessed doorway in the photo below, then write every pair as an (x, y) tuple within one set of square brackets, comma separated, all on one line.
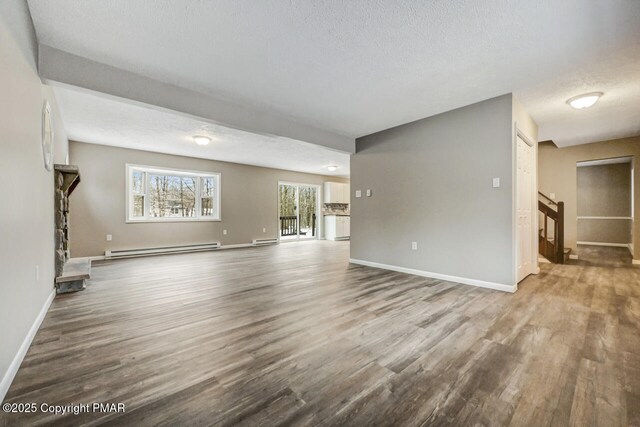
[(605, 216)]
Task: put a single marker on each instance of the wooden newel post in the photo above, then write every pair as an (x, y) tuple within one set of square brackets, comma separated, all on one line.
[(560, 236)]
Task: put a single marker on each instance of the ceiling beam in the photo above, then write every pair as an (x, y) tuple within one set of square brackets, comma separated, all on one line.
[(62, 67)]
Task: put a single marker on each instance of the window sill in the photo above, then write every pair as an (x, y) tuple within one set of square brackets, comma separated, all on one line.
[(157, 220)]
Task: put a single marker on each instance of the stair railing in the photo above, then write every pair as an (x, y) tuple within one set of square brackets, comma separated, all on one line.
[(553, 250)]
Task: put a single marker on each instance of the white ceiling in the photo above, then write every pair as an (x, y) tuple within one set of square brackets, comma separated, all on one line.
[(98, 119), (361, 66)]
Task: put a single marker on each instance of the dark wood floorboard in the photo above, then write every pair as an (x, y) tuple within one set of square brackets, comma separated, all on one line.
[(294, 335)]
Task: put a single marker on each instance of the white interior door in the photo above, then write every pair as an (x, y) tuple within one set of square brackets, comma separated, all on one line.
[(524, 208)]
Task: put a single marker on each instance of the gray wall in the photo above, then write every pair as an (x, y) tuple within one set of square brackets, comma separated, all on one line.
[(249, 201), (431, 182), (558, 174), (26, 220), (605, 191)]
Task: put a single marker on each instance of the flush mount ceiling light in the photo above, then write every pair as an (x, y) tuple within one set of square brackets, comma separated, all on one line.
[(584, 101), (332, 168), (201, 140)]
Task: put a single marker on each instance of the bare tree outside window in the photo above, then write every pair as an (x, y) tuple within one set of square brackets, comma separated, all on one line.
[(153, 194), (208, 189)]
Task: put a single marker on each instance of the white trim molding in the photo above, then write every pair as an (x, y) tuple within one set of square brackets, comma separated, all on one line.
[(605, 217), (613, 245), (635, 261), (8, 377), (573, 256), (456, 279)]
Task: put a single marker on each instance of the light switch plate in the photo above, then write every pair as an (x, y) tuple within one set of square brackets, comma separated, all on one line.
[(224, 232), (496, 182), (552, 196), (109, 237), (358, 193), (368, 193)]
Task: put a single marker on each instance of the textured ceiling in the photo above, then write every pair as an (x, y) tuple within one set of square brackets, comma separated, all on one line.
[(104, 120), (360, 66)]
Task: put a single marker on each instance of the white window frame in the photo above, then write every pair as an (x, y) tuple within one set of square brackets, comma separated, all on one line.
[(148, 170)]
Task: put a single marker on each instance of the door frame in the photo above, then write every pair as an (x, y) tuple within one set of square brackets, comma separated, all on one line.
[(535, 268), (319, 224)]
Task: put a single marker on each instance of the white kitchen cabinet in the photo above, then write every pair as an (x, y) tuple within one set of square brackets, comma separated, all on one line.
[(346, 227), (337, 227), (336, 192)]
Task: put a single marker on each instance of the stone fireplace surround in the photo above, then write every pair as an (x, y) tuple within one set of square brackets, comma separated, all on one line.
[(70, 274)]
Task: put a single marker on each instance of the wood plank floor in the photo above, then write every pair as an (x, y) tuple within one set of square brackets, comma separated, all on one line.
[(294, 335), (602, 256)]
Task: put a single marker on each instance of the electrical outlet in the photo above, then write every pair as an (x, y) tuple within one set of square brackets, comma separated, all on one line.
[(414, 246), (264, 230), (109, 237), (496, 182), (368, 193), (224, 232)]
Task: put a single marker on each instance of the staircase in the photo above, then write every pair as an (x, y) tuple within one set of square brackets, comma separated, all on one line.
[(551, 237)]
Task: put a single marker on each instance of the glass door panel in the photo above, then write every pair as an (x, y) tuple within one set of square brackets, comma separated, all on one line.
[(288, 211), (298, 211), (308, 203)]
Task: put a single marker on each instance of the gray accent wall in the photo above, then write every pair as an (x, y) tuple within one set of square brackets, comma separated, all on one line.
[(604, 190), (249, 202), (431, 182), (26, 219)]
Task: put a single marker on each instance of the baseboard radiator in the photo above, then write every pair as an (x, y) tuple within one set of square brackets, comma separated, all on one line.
[(161, 251), (264, 242)]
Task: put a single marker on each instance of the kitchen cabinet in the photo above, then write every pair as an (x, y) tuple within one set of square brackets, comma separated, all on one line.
[(336, 192), (337, 227)]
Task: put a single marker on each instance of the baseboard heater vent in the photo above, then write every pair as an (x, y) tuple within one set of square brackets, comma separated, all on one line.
[(264, 242), (160, 251)]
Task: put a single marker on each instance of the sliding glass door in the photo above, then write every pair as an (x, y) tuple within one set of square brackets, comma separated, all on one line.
[(298, 211)]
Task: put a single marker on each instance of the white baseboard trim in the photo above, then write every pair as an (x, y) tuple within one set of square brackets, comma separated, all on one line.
[(8, 376), (462, 280), (543, 260), (635, 261), (573, 256), (613, 245)]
